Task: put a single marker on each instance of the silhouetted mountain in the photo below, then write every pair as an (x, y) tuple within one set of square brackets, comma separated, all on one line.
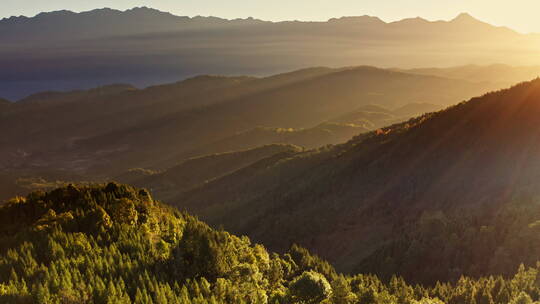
[(173, 122), (67, 25), (144, 47), (432, 198), (50, 99)]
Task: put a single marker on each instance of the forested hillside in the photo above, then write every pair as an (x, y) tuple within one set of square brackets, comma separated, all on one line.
[(115, 244), (444, 194)]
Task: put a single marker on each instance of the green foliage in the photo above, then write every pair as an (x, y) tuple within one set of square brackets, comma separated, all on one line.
[(114, 244), (309, 287), (466, 242)]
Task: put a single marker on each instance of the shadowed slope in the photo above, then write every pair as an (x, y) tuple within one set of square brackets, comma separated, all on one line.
[(498, 73), (203, 169), (350, 201)]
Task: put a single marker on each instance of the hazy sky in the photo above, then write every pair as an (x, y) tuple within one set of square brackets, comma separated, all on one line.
[(521, 15)]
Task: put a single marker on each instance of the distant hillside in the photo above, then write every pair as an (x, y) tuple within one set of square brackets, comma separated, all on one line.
[(99, 23), (144, 47), (325, 133), (413, 109), (162, 125), (374, 116), (497, 73), (54, 98), (334, 131), (196, 171), (457, 186)]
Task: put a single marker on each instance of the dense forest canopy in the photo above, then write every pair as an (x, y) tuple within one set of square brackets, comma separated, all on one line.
[(115, 244)]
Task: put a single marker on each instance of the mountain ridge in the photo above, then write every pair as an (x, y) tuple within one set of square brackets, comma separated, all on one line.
[(144, 10), (216, 108), (167, 48)]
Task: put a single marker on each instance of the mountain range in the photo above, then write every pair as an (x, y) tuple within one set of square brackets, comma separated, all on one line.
[(89, 132), (66, 51)]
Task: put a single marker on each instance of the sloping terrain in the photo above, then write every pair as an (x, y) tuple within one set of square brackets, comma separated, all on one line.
[(199, 170), (160, 126), (111, 243), (460, 183), (497, 73), (270, 141), (327, 133)]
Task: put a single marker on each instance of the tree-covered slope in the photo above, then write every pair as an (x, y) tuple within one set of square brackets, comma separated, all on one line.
[(461, 184), (114, 244)]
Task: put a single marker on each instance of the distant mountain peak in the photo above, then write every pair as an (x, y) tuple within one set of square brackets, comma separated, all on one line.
[(464, 17), (357, 19), (412, 21), (61, 13), (146, 10)]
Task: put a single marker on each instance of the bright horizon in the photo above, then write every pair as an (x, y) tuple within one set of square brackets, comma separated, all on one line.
[(523, 18)]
